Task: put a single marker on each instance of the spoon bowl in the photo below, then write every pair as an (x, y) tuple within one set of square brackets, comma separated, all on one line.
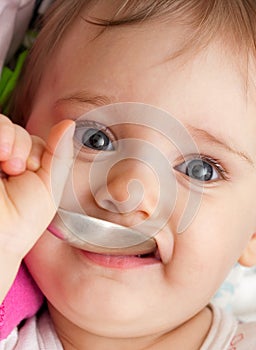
[(99, 236)]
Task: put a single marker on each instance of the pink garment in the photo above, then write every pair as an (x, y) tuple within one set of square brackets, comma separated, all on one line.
[(22, 301)]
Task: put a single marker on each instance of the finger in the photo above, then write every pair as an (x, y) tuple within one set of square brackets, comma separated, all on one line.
[(36, 152), (7, 134), (16, 163), (57, 159)]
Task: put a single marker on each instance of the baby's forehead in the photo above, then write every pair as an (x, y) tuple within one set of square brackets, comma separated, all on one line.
[(134, 44), (226, 23)]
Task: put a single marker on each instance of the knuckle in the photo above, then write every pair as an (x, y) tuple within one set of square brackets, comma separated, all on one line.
[(4, 119)]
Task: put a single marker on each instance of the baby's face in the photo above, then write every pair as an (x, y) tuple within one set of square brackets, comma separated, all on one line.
[(206, 94)]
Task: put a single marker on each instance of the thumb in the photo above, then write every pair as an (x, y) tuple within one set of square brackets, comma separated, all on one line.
[(57, 159)]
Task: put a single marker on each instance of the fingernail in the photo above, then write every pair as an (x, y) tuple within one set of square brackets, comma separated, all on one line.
[(16, 164), (33, 163)]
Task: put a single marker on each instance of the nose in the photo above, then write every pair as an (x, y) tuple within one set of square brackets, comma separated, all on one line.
[(137, 192), (131, 188)]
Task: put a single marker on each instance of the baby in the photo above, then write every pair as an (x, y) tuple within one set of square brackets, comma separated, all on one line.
[(96, 66)]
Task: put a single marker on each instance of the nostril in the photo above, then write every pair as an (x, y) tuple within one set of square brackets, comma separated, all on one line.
[(142, 215), (117, 203), (110, 205)]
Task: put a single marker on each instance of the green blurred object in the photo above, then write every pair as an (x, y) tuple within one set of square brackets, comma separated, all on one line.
[(8, 81), (6, 75)]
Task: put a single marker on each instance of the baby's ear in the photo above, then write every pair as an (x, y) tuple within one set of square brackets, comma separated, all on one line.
[(248, 257)]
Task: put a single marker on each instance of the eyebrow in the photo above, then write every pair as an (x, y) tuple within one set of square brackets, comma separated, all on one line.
[(208, 137), (86, 97), (102, 100)]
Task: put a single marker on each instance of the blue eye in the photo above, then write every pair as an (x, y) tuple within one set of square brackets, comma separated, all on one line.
[(93, 137), (96, 139), (198, 169)]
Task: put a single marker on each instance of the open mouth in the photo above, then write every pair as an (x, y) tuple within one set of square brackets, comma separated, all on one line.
[(121, 261), (127, 252), (153, 255)]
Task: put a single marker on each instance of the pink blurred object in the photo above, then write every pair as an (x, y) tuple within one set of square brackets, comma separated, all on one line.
[(23, 300)]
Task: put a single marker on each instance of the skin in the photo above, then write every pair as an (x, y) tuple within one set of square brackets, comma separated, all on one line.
[(161, 305)]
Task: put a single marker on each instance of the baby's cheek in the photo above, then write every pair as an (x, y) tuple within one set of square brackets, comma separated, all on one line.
[(201, 252)]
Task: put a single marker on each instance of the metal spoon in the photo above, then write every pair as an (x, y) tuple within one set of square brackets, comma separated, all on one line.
[(99, 236)]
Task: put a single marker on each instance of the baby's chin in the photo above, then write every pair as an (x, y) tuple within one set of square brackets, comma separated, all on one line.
[(109, 321)]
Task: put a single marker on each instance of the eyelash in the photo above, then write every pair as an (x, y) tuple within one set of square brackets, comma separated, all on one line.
[(214, 162), (91, 124), (217, 164)]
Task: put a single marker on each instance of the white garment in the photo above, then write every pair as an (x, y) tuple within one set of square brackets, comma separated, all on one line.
[(36, 334), (226, 333), (14, 19)]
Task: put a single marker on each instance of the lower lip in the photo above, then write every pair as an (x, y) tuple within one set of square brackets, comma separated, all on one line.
[(119, 261)]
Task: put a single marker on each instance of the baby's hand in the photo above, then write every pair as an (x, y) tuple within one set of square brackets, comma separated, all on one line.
[(18, 150), (27, 200), (30, 191)]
